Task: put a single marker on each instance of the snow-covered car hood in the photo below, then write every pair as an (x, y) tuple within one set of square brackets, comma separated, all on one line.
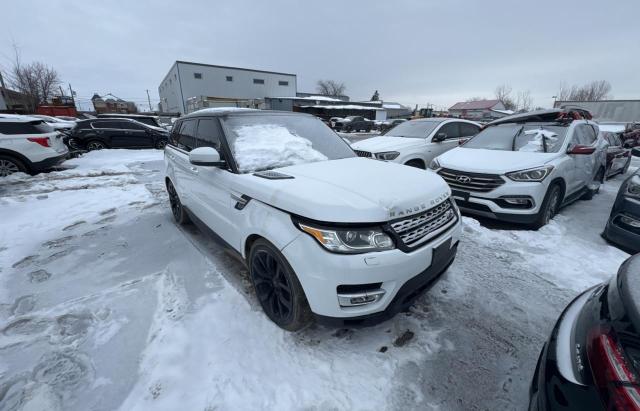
[(383, 143), (351, 190), (492, 161)]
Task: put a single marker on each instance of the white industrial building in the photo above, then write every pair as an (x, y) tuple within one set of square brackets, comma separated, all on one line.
[(231, 85)]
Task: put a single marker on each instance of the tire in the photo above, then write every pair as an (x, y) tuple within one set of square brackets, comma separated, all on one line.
[(626, 168), (598, 180), (160, 144), (277, 287), (550, 206), (93, 145), (178, 211), (11, 165), (348, 129), (73, 144), (415, 163)]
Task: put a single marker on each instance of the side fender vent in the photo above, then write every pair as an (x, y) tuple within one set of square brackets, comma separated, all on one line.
[(272, 175)]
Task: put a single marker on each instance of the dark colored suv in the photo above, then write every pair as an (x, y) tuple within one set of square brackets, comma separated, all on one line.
[(354, 123), (100, 133)]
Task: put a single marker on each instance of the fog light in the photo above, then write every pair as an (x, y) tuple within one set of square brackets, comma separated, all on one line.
[(362, 298), (517, 201)]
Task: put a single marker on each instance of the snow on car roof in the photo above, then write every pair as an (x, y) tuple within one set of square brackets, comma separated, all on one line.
[(12, 118), (221, 110), (345, 107)]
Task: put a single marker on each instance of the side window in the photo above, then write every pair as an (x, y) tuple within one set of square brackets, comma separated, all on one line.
[(209, 134), (130, 125), (187, 136), (175, 133), (451, 130), (468, 130), (106, 124), (587, 134)]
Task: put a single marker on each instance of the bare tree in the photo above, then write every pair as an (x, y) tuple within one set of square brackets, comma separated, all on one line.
[(524, 102), (36, 80), (594, 91), (469, 100), (330, 88), (503, 94)]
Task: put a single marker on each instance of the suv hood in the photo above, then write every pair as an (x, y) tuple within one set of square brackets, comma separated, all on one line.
[(351, 190), (382, 144), (492, 161)]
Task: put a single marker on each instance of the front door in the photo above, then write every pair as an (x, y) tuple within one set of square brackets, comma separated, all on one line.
[(136, 135)]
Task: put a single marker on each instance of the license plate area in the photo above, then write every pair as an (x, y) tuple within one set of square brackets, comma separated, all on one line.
[(460, 195)]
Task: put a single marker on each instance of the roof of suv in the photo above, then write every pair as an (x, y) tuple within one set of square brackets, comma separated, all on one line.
[(543, 116), (17, 118)]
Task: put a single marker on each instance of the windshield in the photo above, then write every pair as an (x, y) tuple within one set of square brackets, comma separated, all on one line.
[(531, 137), (264, 142), (413, 129)]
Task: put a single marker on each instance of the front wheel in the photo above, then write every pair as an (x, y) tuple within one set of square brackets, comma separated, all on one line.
[(160, 144), (277, 287), (550, 206), (95, 145), (10, 165)]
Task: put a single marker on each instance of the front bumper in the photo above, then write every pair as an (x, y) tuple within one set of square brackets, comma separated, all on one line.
[(554, 385), (618, 229), (492, 205), (402, 276)]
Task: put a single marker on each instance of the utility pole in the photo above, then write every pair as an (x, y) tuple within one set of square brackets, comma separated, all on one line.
[(149, 100)]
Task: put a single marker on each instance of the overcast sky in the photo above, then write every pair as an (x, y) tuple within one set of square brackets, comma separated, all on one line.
[(413, 51)]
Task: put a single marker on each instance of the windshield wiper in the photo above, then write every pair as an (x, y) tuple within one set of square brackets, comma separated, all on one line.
[(513, 143)]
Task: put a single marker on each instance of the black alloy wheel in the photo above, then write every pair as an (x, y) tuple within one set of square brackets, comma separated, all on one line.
[(177, 210)]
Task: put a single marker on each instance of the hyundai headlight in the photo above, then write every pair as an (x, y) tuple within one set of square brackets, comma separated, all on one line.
[(534, 174), (633, 187), (387, 155), (435, 165), (350, 240)]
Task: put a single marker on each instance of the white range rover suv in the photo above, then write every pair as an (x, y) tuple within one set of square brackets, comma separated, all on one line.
[(417, 142), (524, 167), (323, 232), (28, 145)]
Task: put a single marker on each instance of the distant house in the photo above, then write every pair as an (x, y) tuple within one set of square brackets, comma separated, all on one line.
[(479, 110), (15, 102), (610, 111), (113, 104)]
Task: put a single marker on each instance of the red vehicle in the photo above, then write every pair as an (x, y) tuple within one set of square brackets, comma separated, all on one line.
[(618, 156), (54, 111)]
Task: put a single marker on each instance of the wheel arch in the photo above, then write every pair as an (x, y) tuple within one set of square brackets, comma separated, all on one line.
[(563, 186), (18, 156), (416, 160)]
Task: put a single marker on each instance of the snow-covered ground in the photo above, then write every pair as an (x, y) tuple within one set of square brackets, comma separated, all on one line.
[(106, 304)]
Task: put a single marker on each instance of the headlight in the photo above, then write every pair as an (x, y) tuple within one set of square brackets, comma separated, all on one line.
[(534, 174), (387, 155), (435, 164), (350, 240), (633, 187)]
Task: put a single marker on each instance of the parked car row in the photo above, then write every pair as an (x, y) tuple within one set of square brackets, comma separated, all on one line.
[(114, 132)]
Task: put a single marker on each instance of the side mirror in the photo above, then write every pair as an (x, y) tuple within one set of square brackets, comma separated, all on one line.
[(581, 150), (205, 156), (635, 151), (440, 137)]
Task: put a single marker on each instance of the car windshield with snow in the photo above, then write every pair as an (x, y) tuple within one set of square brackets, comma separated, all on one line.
[(524, 168), (260, 142), (323, 232)]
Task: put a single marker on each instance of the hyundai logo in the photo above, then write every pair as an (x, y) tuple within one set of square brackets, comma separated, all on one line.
[(463, 179)]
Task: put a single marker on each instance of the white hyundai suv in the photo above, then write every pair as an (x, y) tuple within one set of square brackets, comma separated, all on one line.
[(523, 168), (323, 232), (28, 145), (417, 142)]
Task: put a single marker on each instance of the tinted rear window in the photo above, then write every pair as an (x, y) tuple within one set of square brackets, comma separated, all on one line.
[(32, 127)]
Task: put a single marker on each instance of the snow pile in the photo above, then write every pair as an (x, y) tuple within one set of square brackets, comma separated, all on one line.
[(536, 144), (267, 146)]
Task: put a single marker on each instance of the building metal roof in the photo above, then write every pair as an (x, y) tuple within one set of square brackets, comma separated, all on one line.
[(618, 111), (233, 68), (475, 105)]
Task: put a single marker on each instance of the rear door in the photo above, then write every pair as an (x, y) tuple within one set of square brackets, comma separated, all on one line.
[(181, 142)]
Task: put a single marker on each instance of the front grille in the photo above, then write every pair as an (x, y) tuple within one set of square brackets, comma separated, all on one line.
[(419, 228), (361, 153), (471, 181)]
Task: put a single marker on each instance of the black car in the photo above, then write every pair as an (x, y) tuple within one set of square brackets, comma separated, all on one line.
[(592, 359), (100, 133), (353, 123), (389, 124), (623, 227)]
